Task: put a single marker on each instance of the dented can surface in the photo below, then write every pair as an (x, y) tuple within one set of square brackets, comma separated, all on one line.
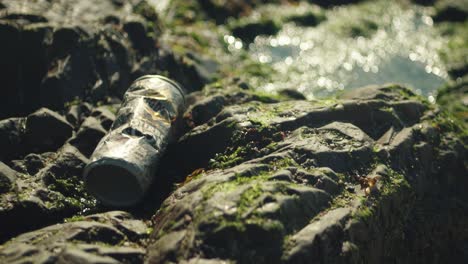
[(124, 162)]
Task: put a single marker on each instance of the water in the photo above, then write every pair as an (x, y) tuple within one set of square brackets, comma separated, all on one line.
[(319, 61), (160, 5)]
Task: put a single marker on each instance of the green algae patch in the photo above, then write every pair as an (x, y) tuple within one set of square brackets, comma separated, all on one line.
[(232, 184)]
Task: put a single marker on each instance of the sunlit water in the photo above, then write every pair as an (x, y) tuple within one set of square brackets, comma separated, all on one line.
[(319, 61), (160, 5)]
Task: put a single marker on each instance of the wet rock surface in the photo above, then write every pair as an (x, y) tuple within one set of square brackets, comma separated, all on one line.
[(56, 51), (372, 175), (112, 237), (299, 180)]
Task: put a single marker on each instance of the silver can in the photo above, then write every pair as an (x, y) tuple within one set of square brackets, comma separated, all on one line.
[(124, 162)]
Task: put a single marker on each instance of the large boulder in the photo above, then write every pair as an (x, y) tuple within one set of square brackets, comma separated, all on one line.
[(336, 182)]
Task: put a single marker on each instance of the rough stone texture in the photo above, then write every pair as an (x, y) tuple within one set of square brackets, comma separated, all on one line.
[(77, 113), (11, 137), (454, 98), (80, 49), (7, 178), (282, 183), (46, 130), (89, 135), (112, 237), (375, 176), (48, 189)]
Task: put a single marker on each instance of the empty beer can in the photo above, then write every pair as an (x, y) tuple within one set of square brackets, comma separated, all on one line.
[(124, 162)]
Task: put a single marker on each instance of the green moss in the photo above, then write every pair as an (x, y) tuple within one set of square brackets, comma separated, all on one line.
[(112, 108), (265, 97), (364, 213), (225, 187), (455, 53), (225, 161), (446, 123), (342, 200), (75, 101), (284, 163), (185, 12), (75, 218), (146, 10), (248, 197)]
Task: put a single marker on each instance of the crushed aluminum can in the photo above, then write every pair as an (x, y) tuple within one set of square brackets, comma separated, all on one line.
[(124, 162)]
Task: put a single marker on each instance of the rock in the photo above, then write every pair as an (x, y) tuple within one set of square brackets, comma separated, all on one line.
[(293, 94), (451, 10), (71, 76), (11, 138), (7, 178), (205, 68), (69, 48), (76, 113), (318, 239), (83, 240), (249, 30), (132, 228), (138, 35), (88, 136), (454, 98), (266, 204), (193, 71), (424, 2), (221, 10), (291, 181), (25, 46), (204, 110), (332, 3), (78, 256), (46, 130), (55, 192), (105, 116), (375, 175), (32, 163), (308, 19)]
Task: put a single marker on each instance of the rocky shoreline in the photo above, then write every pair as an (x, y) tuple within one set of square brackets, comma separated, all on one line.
[(372, 175)]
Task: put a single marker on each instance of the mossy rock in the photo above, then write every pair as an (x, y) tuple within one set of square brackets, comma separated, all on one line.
[(297, 180)]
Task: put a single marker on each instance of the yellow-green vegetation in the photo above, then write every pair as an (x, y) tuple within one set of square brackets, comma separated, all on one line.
[(283, 163), (343, 200), (225, 161), (234, 183), (392, 186), (364, 213), (249, 196), (394, 183), (447, 122), (455, 53), (75, 101), (75, 218)]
